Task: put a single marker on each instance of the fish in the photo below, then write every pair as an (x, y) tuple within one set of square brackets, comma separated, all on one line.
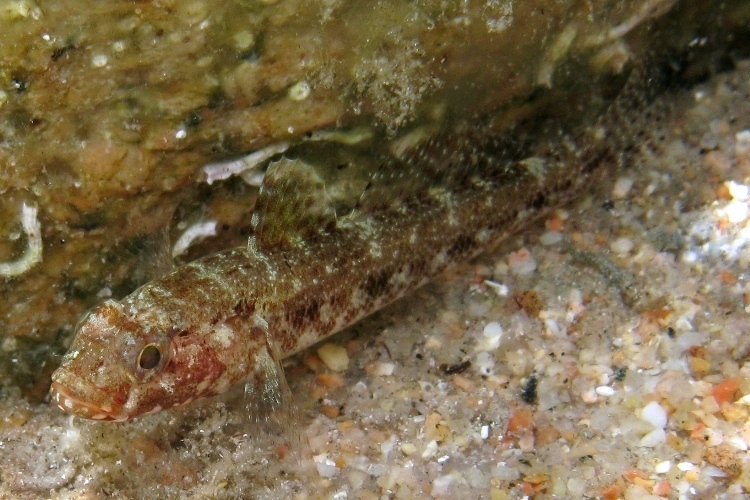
[(307, 271)]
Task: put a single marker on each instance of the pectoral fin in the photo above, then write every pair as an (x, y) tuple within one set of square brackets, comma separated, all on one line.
[(273, 418)]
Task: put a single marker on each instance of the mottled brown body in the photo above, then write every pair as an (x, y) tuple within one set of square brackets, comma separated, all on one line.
[(216, 322)]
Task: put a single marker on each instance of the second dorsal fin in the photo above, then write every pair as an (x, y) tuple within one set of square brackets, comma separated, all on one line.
[(292, 205)]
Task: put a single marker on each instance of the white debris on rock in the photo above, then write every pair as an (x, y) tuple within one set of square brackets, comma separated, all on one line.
[(192, 234), (250, 167), (33, 253), (245, 166)]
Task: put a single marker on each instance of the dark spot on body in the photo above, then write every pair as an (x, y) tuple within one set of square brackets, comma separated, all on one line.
[(620, 373), (337, 301), (377, 283), (174, 332), (307, 312), (245, 308), (538, 201), (461, 246), (418, 268)]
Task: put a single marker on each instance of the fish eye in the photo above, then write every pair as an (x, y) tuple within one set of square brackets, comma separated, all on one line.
[(149, 357)]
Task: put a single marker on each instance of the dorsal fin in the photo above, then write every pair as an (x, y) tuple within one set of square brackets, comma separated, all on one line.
[(292, 205), (146, 253), (445, 158)]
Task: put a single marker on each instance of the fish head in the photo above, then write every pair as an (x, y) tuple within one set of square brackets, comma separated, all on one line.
[(112, 368)]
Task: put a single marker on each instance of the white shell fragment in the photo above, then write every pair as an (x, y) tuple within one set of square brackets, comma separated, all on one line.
[(192, 234), (219, 171), (491, 336), (33, 253)]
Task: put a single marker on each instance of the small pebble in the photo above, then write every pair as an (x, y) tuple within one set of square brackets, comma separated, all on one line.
[(484, 363), (663, 467), (550, 238), (622, 245), (605, 390), (334, 357), (742, 144), (430, 450), (408, 448), (492, 335), (738, 191), (653, 438), (522, 262), (99, 60), (622, 187), (325, 466), (299, 91), (378, 369), (654, 414), (589, 396), (736, 211)]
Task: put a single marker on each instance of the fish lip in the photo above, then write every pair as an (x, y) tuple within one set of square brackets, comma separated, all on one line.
[(69, 401)]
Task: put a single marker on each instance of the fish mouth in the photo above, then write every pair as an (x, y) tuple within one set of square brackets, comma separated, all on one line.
[(70, 402)]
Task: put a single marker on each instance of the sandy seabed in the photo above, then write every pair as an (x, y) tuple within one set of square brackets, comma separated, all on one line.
[(600, 353)]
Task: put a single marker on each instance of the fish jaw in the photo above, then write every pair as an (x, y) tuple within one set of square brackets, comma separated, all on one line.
[(67, 392)]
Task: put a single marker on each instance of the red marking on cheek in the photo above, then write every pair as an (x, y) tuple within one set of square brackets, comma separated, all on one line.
[(192, 364)]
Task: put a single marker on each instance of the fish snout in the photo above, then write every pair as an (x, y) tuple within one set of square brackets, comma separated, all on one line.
[(71, 402)]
